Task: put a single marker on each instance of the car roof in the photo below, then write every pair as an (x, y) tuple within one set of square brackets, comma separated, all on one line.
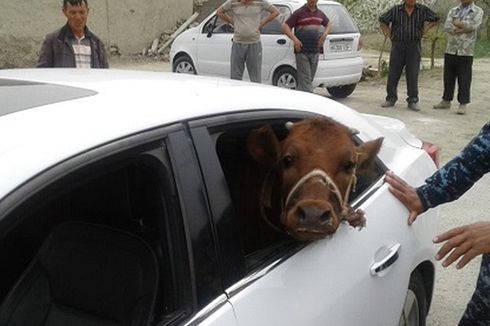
[(120, 103)]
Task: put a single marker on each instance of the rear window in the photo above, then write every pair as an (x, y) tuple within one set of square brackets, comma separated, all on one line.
[(18, 95), (342, 21)]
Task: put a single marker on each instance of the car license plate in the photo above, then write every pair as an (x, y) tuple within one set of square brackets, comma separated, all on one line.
[(340, 46)]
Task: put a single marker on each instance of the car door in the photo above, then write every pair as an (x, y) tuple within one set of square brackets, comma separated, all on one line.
[(350, 278), (214, 47), (276, 46)]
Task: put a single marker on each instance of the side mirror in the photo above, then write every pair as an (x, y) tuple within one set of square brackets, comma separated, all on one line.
[(209, 30)]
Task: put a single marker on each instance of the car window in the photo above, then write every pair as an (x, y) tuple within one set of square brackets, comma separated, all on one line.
[(132, 193), (342, 21), (244, 177), (217, 26), (274, 27)]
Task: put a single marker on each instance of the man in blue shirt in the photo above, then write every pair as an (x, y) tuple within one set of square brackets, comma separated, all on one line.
[(464, 242)]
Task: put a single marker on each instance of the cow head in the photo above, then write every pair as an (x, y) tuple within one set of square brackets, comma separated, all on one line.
[(316, 166)]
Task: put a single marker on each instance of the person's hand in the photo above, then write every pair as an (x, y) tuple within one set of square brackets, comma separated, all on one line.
[(406, 194), (321, 41), (466, 241), (297, 45), (458, 31)]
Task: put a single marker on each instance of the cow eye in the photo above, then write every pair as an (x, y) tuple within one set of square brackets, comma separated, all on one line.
[(287, 161), (349, 167)]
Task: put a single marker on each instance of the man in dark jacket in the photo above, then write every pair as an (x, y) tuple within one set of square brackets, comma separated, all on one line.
[(464, 242), (74, 45)]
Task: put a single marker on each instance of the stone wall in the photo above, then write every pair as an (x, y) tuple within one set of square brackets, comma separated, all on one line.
[(126, 25)]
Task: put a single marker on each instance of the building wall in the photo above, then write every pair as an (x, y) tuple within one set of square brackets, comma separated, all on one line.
[(130, 25)]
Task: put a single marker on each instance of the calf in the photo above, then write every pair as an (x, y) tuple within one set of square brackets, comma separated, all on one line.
[(316, 167)]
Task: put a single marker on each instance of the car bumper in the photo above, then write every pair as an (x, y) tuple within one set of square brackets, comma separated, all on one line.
[(338, 72)]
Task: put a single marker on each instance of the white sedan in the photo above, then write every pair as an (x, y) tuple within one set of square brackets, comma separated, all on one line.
[(128, 198), (205, 50)]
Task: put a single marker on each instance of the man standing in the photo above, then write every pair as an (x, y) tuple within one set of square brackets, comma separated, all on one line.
[(405, 24), (245, 16), (311, 27), (461, 25), (74, 45)]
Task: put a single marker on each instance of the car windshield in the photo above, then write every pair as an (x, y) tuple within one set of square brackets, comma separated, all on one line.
[(341, 20)]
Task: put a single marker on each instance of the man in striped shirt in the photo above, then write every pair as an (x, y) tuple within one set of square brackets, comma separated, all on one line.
[(74, 45), (406, 24), (311, 27)]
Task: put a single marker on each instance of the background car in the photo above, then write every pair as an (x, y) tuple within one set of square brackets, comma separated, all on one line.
[(118, 205), (206, 48)]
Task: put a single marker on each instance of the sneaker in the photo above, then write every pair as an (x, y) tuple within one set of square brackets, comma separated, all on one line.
[(442, 105), (387, 104), (461, 109), (413, 107)]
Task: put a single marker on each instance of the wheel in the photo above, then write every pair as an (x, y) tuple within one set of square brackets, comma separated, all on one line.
[(341, 91), (285, 77), (415, 308), (184, 65)]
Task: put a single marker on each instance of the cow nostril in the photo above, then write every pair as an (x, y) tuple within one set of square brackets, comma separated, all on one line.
[(301, 214), (325, 216)]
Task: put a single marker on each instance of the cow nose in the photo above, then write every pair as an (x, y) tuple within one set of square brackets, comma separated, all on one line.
[(313, 215)]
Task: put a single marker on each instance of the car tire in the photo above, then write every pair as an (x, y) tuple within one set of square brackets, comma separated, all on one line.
[(341, 91), (285, 77), (184, 65), (415, 308)]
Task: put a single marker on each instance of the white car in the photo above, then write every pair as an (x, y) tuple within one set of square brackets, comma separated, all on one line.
[(118, 205), (205, 50)]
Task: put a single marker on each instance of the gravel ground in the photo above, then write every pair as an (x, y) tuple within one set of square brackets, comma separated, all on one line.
[(445, 128)]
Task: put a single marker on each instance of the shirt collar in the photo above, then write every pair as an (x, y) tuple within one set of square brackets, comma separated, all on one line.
[(471, 7)]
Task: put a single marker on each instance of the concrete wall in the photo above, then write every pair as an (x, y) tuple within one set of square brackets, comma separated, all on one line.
[(130, 25)]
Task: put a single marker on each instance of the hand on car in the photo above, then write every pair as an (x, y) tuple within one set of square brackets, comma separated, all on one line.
[(406, 194), (466, 241)]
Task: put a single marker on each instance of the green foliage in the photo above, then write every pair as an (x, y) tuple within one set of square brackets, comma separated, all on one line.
[(482, 49)]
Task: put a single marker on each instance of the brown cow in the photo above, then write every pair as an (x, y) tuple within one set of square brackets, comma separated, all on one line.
[(316, 166)]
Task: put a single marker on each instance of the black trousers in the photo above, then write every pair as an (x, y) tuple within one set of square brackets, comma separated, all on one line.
[(457, 68), (404, 55)]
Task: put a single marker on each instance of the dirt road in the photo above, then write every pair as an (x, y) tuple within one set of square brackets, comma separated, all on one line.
[(451, 132)]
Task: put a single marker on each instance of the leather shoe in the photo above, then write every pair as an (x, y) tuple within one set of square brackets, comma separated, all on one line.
[(442, 105), (413, 107), (461, 109), (387, 104)]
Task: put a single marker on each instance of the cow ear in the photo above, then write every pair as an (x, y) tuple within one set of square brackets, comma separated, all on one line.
[(263, 146), (367, 154)]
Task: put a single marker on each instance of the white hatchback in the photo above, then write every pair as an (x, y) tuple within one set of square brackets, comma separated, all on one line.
[(205, 49)]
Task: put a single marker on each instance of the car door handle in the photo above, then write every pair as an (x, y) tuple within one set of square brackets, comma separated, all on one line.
[(386, 261), (281, 41)]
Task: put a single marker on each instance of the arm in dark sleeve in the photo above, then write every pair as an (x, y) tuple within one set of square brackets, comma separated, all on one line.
[(46, 56), (292, 20), (387, 17), (459, 174), (103, 56), (431, 16)]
